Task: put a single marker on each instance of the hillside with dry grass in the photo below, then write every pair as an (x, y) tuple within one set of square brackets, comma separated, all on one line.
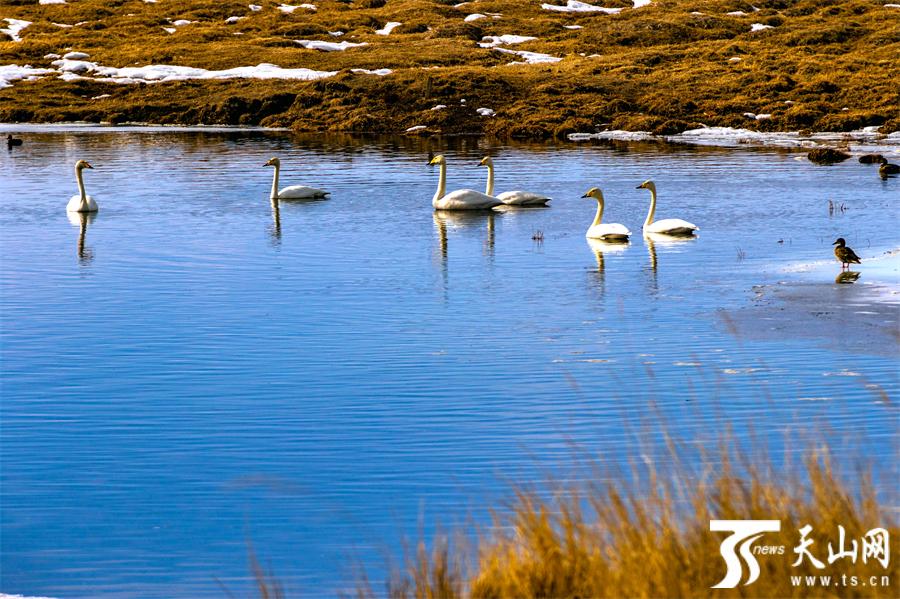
[(771, 65)]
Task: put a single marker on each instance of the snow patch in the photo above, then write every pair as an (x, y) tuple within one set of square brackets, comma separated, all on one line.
[(759, 27), (328, 46), (13, 72), (491, 41), (379, 72), (386, 30), (530, 57), (15, 28), (485, 112), (576, 6)]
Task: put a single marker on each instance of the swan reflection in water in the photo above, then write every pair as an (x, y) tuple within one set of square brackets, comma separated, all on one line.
[(457, 219), (670, 242), (275, 231), (82, 220), (605, 247), (848, 277)]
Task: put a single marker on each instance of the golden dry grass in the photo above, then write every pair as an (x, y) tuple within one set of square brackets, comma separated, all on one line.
[(825, 64), (646, 534)]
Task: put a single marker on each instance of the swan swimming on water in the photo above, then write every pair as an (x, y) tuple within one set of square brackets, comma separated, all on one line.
[(294, 192), (512, 198), (667, 226), (81, 202), (461, 199), (599, 230)]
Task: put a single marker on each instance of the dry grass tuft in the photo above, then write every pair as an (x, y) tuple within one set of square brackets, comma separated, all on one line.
[(646, 534)]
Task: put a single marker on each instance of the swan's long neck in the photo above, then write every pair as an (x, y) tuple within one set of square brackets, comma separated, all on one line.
[(652, 211), (442, 183), (274, 195), (490, 182), (599, 218), (81, 191)]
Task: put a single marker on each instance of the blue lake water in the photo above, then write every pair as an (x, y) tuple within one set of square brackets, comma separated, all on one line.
[(194, 370)]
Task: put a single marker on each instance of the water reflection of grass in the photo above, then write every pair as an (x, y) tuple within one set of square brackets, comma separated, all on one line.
[(645, 532)]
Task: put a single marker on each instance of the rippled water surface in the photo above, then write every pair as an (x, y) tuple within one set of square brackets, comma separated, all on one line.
[(195, 369)]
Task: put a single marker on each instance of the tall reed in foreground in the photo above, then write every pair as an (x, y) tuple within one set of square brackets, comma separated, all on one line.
[(646, 533)]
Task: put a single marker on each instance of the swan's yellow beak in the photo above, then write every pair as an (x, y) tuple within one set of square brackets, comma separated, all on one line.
[(436, 160), (87, 165), (485, 161)]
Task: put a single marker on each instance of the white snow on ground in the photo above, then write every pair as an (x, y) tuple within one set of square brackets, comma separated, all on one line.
[(759, 27), (288, 9), (74, 66), (892, 5), (416, 128), (233, 20), (576, 6), (573, 26), (15, 27), (13, 72), (490, 41), (254, 7), (182, 22), (77, 69), (379, 72), (474, 17), (868, 138), (52, 2), (530, 57), (386, 30), (440, 107), (328, 46), (736, 13), (336, 33), (641, 3), (485, 112)]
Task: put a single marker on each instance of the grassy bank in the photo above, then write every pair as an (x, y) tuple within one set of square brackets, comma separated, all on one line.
[(646, 533), (818, 65)]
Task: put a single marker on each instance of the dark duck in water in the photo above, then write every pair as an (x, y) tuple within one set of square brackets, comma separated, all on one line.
[(887, 168), (845, 255)]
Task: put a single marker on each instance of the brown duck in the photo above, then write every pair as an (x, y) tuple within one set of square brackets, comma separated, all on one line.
[(845, 255)]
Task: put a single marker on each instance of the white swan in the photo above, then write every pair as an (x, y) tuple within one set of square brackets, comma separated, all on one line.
[(667, 226), (512, 198), (81, 202), (461, 199), (599, 230), (294, 192)]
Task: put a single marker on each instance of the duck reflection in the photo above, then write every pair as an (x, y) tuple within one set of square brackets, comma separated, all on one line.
[(82, 220), (847, 277)]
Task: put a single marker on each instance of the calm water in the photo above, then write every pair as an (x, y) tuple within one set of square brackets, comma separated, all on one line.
[(196, 371)]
